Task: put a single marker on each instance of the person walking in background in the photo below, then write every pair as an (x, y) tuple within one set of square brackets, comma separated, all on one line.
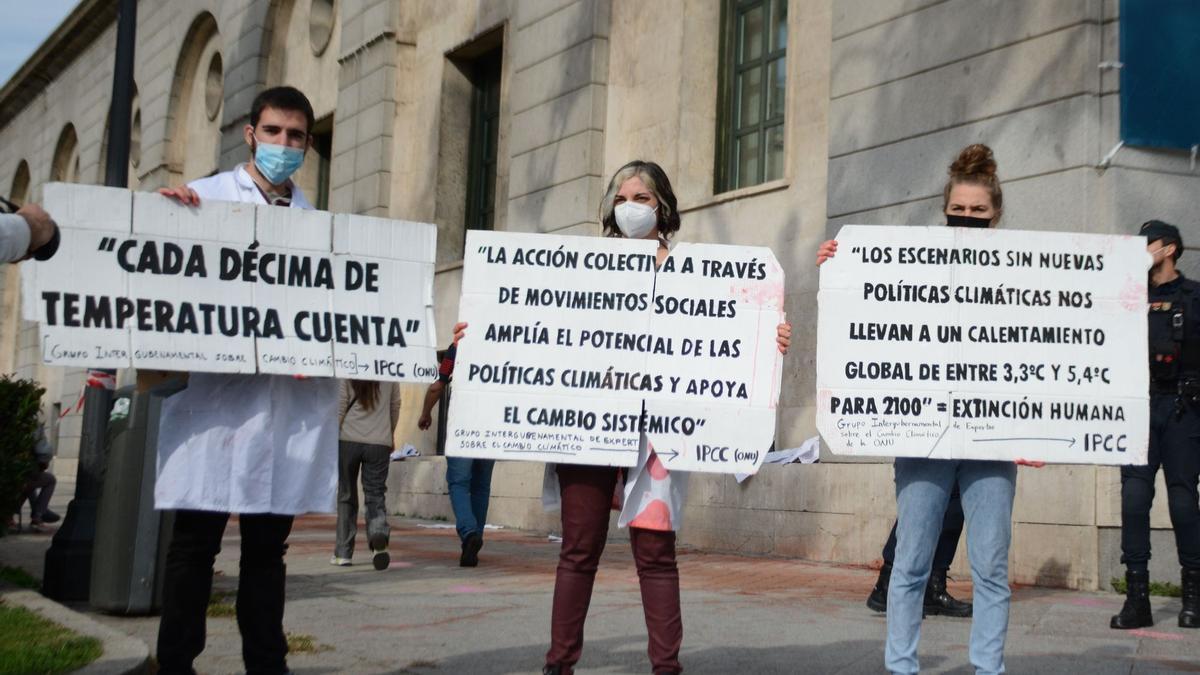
[(469, 480), (366, 429)]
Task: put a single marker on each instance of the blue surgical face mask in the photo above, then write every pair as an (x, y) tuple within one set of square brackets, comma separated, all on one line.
[(276, 163)]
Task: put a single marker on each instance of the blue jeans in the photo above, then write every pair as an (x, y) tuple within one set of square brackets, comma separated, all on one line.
[(470, 483), (923, 488)]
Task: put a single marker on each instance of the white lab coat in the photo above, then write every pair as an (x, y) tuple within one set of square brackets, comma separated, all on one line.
[(248, 443)]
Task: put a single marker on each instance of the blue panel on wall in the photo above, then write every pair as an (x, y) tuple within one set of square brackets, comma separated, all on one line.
[(1160, 81)]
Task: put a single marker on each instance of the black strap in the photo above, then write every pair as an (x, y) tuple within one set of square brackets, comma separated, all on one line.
[(1189, 350)]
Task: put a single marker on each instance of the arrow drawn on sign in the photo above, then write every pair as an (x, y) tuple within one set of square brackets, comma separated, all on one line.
[(1069, 441), (673, 454)]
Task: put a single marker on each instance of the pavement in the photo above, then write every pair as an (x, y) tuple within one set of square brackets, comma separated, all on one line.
[(426, 615)]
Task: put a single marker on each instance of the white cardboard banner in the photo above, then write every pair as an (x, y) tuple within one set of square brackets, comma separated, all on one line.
[(576, 345), (959, 343), (142, 281)]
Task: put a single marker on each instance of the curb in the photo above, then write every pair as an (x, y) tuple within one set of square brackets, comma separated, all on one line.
[(122, 655)]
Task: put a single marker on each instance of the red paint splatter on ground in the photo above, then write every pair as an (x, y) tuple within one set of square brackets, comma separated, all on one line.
[(1091, 602), (1155, 635), (433, 624)]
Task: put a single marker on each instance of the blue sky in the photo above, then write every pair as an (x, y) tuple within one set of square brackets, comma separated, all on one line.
[(24, 25)]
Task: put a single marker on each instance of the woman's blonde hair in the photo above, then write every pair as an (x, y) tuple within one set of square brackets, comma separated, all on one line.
[(975, 165)]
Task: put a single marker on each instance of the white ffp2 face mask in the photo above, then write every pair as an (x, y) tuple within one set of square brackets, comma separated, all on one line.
[(635, 220)]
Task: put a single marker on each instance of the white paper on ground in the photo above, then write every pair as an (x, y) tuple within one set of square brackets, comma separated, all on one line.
[(407, 451), (807, 453)]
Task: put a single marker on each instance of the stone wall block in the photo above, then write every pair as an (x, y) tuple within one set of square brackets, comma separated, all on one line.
[(733, 530), (553, 208), (526, 13), (867, 180), (1054, 555), (554, 120), (899, 48), (566, 71), (377, 120), (1041, 498), (548, 165), (1026, 74), (571, 25)]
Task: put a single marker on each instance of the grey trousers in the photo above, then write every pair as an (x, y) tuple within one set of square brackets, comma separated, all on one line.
[(44, 483), (374, 460)]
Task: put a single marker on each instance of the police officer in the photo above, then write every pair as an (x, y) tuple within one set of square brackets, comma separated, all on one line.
[(1174, 323)]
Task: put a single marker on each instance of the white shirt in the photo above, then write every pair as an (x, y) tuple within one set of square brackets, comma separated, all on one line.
[(14, 237), (248, 443)]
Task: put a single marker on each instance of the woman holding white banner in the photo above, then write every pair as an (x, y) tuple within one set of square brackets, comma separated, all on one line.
[(971, 198), (639, 204)]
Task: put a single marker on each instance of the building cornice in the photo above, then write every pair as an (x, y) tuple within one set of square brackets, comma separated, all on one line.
[(74, 35)]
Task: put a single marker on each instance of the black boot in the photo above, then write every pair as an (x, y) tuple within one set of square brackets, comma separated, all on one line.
[(1136, 612), (877, 600), (939, 601), (1189, 616)]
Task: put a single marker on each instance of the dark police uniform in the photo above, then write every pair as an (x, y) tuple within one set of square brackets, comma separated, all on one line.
[(1174, 323), (1174, 348)]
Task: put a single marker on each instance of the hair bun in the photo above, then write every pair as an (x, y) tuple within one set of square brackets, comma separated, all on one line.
[(973, 160)]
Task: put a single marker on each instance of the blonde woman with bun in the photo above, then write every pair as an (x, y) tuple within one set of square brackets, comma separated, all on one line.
[(972, 198)]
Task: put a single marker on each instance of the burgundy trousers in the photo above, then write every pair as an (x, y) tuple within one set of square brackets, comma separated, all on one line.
[(586, 501)]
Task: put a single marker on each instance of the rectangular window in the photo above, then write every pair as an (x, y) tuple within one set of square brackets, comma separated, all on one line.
[(751, 93), (313, 175), (485, 126), (1160, 80), (322, 151)]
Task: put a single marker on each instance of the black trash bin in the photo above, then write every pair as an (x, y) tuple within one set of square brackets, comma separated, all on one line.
[(130, 549)]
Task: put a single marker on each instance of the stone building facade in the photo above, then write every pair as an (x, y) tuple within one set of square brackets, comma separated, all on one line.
[(777, 122)]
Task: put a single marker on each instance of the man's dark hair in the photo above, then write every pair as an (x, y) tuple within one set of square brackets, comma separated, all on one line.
[(282, 98)]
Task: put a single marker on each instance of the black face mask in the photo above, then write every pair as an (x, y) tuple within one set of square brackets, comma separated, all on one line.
[(967, 221)]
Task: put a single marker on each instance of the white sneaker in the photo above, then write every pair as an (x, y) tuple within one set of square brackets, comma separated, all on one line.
[(340, 562)]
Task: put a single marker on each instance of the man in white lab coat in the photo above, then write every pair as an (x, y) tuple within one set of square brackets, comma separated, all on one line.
[(261, 446)]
